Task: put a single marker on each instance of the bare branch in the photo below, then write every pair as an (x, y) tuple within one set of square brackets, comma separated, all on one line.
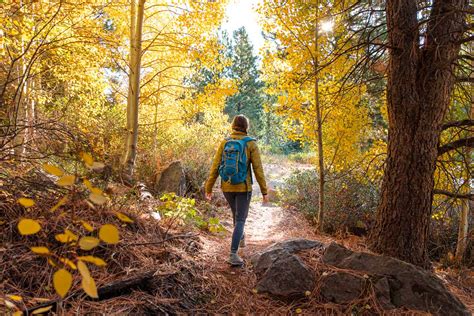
[(457, 124), (468, 142), (467, 196)]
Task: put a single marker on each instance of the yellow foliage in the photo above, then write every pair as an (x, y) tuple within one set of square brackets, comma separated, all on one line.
[(123, 217), (87, 226), (25, 202), (87, 158), (97, 261), (28, 226), (109, 233), (66, 180), (42, 310), (15, 298), (88, 243), (62, 282), (55, 171), (40, 250), (88, 283)]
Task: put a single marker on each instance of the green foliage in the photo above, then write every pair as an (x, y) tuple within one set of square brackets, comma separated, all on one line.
[(182, 210), (249, 98)]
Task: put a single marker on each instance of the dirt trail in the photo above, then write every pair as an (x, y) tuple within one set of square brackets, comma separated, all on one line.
[(266, 224), (234, 287)]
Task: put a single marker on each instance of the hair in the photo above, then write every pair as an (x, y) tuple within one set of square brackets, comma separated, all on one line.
[(240, 123)]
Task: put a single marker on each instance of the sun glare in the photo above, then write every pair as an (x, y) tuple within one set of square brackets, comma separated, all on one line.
[(327, 26)]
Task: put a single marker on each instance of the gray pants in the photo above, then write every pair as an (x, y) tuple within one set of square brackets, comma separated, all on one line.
[(239, 204)]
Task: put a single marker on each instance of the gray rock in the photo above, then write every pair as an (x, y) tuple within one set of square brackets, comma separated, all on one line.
[(261, 262), (287, 277), (280, 272), (408, 285), (291, 246), (382, 292), (342, 287), (297, 244), (172, 179)]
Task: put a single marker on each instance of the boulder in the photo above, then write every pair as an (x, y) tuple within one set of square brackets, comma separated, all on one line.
[(286, 277), (172, 179), (261, 262), (397, 283), (291, 246), (280, 272), (341, 287)]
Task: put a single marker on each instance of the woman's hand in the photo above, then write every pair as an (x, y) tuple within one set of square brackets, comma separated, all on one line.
[(208, 196)]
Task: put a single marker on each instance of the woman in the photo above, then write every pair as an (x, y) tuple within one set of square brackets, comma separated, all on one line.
[(238, 195)]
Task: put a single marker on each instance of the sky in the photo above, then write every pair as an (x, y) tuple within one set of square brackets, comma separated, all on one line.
[(242, 13)]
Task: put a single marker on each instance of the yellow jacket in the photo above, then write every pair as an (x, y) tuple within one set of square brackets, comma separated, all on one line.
[(253, 156)]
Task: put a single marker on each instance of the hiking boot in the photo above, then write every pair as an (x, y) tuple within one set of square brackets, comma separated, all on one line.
[(242, 243), (235, 260)]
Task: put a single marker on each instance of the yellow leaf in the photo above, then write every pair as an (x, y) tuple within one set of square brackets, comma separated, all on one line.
[(51, 262), (66, 180), (87, 158), (60, 203), (55, 171), (87, 183), (87, 226), (109, 233), (97, 261), (298, 311), (68, 262), (88, 283), (62, 281), (40, 250), (25, 202), (41, 310), (17, 313), (28, 226), (96, 191), (88, 243), (15, 298), (123, 217), (63, 238), (98, 199), (71, 235)]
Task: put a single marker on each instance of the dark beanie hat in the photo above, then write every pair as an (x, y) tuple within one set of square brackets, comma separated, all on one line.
[(240, 123)]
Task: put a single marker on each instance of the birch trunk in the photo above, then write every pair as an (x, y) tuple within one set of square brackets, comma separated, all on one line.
[(130, 153)]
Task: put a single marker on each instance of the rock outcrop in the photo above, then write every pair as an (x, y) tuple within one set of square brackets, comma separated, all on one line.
[(397, 284)]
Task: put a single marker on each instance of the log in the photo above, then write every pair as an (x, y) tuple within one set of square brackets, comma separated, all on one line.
[(117, 288)]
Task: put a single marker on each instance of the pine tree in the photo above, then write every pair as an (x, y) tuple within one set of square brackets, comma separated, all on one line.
[(244, 70)]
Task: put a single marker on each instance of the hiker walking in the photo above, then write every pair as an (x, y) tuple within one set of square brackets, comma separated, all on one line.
[(232, 162)]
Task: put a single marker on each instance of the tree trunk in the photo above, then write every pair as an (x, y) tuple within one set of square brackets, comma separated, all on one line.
[(130, 152), (420, 82), (320, 213)]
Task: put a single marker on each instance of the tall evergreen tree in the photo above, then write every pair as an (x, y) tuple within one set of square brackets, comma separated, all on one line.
[(244, 70)]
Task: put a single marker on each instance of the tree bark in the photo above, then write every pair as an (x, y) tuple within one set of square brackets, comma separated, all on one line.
[(420, 82), (130, 152)]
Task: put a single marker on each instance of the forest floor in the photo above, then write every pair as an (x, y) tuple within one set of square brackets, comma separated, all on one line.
[(266, 225), (190, 274)]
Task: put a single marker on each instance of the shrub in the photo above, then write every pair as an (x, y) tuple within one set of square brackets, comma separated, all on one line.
[(350, 204)]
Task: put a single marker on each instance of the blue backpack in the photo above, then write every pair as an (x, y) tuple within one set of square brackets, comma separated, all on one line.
[(233, 167)]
